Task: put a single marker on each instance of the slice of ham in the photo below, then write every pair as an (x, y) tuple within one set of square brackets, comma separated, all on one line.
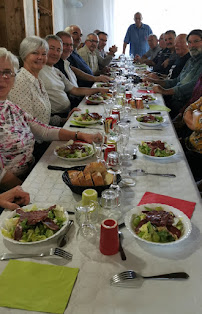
[(18, 232), (50, 224)]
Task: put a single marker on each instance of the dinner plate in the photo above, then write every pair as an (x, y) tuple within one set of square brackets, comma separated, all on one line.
[(85, 122), (75, 159), (148, 101), (141, 86), (137, 210), (98, 101), (39, 206), (159, 158), (147, 124)]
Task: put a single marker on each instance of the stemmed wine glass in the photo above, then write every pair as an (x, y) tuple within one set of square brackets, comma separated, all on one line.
[(99, 147)]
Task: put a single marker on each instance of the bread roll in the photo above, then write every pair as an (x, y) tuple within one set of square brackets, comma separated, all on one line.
[(95, 167), (97, 179), (73, 175)]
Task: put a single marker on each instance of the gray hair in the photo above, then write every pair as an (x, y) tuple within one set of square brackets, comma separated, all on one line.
[(91, 34), (63, 34), (4, 53), (30, 44), (70, 28), (55, 37)]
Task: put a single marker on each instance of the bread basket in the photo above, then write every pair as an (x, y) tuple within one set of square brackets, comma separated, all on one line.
[(79, 189)]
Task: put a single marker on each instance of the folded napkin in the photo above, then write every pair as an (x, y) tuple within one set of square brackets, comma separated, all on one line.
[(159, 108), (36, 287), (186, 207), (79, 124)]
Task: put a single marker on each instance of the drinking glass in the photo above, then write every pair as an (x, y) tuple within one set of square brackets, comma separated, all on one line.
[(113, 164), (99, 147), (109, 203), (84, 217), (124, 131)]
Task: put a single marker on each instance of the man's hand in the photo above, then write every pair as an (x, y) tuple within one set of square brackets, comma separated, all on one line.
[(158, 89), (102, 78), (13, 198), (113, 49)]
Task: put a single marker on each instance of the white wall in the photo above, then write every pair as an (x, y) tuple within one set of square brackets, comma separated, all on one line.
[(58, 15)]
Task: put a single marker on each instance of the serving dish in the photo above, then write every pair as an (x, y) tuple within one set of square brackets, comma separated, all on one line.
[(187, 227), (7, 224), (79, 189), (89, 151)]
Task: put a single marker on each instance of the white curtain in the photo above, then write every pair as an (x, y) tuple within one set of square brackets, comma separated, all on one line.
[(108, 20)]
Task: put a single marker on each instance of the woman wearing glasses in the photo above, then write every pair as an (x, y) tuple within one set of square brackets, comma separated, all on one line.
[(19, 129)]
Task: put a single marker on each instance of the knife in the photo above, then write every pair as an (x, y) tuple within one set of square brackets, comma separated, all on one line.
[(59, 168), (150, 129), (83, 127)]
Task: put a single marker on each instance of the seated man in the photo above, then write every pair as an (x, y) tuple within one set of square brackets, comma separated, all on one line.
[(88, 52), (104, 58), (183, 55), (75, 59), (148, 57), (181, 87), (71, 72), (192, 145), (56, 84), (168, 56)]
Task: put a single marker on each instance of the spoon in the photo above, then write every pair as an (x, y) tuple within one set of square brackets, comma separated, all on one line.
[(122, 253), (62, 241), (142, 172)]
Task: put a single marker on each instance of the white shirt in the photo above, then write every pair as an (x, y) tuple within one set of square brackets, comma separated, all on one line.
[(29, 94), (56, 85), (70, 73)]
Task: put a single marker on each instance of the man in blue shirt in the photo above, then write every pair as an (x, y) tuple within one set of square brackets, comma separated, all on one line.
[(137, 36)]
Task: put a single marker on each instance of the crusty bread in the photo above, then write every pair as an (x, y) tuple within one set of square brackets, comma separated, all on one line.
[(81, 179), (88, 179), (108, 178), (95, 167), (97, 178), (73, 175), (91, 176)]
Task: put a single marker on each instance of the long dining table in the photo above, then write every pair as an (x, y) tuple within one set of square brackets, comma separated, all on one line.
[(92, 293)]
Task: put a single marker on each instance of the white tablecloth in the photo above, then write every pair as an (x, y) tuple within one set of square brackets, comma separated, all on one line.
[(92, 293)]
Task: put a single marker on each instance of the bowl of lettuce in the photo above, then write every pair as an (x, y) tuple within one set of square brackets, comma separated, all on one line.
[(156, 150), (158, 224), (34, 224), (74, 151)]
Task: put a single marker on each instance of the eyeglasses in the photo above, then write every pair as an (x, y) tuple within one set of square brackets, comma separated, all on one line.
[(194, 41), (7, 74), (76, 33), (92, 41), (67, 45)]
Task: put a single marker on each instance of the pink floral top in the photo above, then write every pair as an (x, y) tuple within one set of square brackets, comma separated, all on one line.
[(18, 132)]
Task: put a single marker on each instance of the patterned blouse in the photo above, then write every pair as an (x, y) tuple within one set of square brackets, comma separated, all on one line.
[(30, 94), (18, 131)]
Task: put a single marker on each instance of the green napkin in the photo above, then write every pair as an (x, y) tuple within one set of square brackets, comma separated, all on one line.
[(159, 108), (79, 124), (36, 287)]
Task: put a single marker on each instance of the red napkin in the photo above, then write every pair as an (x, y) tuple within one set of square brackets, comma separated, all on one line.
[(185, 206)]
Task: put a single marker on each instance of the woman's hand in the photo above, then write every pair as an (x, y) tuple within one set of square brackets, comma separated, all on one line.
[(13, 198), (90, 138)]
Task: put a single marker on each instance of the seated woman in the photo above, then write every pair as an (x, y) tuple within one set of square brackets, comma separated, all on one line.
[(192, 145), (19, 129)]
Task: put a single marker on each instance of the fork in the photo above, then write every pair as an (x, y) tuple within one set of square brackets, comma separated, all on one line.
[(131, 275), (53, 251)]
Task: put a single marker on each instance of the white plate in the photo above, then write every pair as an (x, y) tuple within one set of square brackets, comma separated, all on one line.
[(147, 124), (142, 87), (40, 206), (94, 101), (160, 158), (149, 101), (85, 122), (75, 159), (137, 210)]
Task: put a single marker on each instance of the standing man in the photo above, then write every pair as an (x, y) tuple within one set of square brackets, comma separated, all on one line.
[(137, 36)]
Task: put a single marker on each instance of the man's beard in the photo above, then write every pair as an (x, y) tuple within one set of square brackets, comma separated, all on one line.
[(194, 52)]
